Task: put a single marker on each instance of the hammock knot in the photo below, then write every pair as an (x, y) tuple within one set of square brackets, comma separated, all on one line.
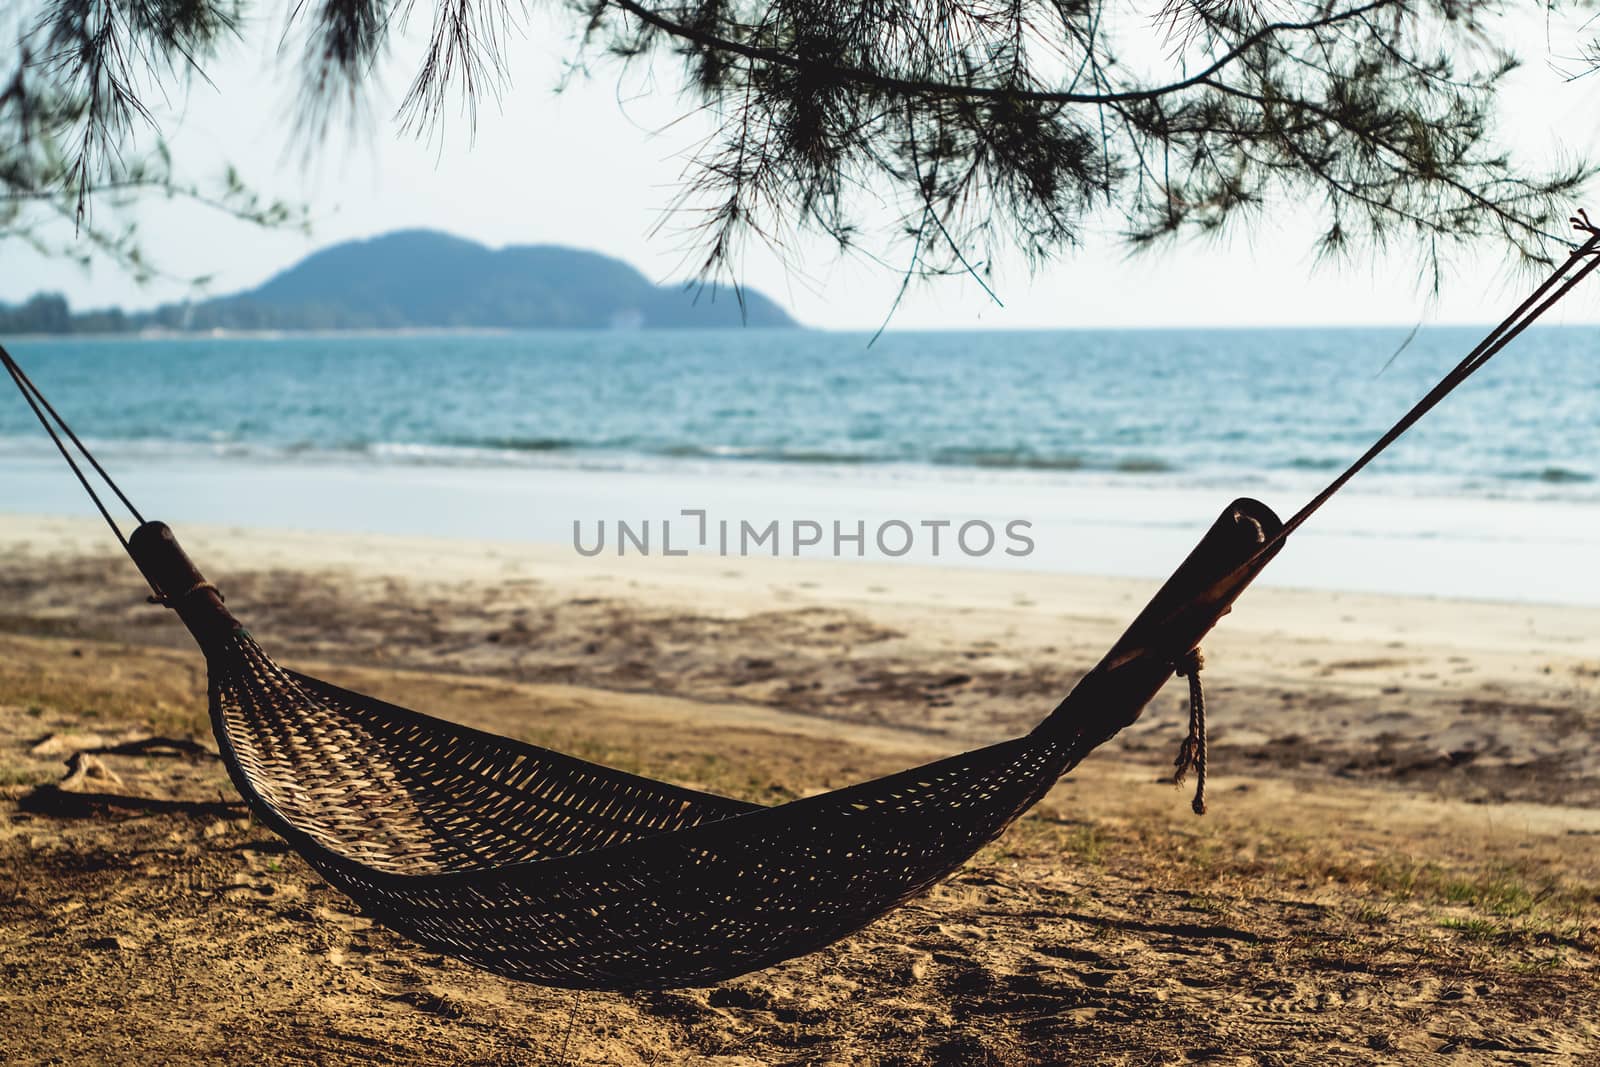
[(1192, 753), (1190, 665), (171, 602)]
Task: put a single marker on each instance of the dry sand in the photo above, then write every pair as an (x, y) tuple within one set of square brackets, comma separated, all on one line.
[(1403, 859)]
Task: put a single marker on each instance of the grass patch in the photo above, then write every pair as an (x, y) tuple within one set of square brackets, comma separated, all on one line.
[(1086, 843), (22, 776), (1374, 914), (168, 699), (1473, 928), (1504, 891), (1541, 964)]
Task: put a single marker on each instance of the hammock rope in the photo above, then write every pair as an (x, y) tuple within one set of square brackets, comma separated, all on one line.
[(1507, 330), (1544, 297), (540, 866), (1192, 753), (35, 399)]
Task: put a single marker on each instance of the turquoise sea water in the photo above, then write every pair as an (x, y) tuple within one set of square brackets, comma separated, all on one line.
[(1116, 449), (1226, 408)]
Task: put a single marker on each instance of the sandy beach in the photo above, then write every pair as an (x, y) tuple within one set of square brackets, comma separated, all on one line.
[(1402, 858)]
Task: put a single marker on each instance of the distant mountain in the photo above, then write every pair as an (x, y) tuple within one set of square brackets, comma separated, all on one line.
[(426, 279)]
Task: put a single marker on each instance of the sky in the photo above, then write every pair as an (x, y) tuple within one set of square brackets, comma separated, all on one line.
[(595, 165)]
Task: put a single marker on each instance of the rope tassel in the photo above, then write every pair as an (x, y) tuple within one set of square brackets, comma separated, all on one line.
[(1192, 753)]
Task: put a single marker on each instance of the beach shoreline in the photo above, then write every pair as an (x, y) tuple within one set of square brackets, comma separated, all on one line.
[(1482, 699), (1507, 550)]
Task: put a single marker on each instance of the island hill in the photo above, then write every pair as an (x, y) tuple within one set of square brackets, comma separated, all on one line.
[(422, 279)]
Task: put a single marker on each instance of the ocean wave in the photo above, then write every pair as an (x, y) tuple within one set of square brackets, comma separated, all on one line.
[(1026, 460), (515, 443), (509, 450), (973, 458), (964, 464), (1143, 465), (1006, 459), (763, 453), (1552, 476)]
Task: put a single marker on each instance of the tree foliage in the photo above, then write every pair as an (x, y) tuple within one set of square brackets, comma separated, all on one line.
[(76, 137), (961, 127)]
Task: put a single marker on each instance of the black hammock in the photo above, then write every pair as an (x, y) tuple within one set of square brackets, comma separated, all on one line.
[(543, 867)]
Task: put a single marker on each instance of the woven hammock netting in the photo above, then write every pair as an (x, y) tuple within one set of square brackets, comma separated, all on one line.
[(544, 867)]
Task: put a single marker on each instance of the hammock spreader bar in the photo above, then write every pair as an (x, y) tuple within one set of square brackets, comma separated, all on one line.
[(544, 867)]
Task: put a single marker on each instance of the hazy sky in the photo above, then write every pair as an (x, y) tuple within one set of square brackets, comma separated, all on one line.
[(594, 166)]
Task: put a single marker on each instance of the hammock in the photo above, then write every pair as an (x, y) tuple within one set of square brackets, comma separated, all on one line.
[(543, 867), (549, 868)]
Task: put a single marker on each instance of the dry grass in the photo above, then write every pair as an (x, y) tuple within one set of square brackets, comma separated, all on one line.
[(1107, 926)]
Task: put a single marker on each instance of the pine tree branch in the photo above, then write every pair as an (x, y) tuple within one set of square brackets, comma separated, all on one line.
[(920, 87)]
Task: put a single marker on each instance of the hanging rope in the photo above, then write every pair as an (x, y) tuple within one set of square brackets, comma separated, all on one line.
[(35, 399), (1509, 328), (50, 419), (1192, 754)]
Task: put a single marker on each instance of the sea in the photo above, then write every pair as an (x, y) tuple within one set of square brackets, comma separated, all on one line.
[(1112, 449)]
